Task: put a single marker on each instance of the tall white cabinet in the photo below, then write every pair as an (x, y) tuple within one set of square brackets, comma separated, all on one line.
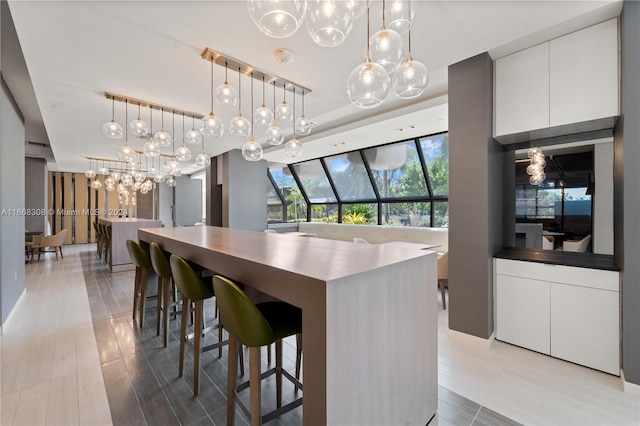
[(570, 79), (567, 312)]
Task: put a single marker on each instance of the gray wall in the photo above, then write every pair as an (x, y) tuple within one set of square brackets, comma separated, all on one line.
[(165, 205), (188, 201), (475, 196), (35, 192), (627, 191), (12, 187), (603, 198), (214, 193), (243, 192)]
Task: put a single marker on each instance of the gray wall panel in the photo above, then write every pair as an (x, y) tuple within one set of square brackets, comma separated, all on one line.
[(243, 195), (35, 191), (475, 196), (627, 214)]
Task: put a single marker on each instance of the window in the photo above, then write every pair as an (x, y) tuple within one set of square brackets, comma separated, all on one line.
[(403, 183)]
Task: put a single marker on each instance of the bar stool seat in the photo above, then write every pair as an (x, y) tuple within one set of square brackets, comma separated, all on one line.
[(255, 326)]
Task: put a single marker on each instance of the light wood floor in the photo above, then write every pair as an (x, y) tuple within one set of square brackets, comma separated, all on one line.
[(71, 355)]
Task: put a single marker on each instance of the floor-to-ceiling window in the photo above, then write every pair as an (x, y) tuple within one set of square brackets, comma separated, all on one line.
[(404, 183)]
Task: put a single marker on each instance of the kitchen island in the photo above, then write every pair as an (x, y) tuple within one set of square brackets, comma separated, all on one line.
[(369, 316)]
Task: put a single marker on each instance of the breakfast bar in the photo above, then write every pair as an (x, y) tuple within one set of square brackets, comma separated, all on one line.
[(369, 316)]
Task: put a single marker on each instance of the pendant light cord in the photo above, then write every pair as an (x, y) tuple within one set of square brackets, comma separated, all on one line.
[(126, 120), (303, 102), (113, 109), (274, 101), (211, 86), (252, 102), (383, 14), (262, 89), (239, 93)]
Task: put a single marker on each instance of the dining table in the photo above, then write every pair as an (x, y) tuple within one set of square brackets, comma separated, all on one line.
[(369, 316)]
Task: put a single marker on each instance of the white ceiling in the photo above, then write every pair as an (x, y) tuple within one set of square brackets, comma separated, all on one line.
[(77, 50)]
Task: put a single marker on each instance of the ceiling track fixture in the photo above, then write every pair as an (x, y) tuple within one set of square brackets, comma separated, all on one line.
[(152, 105), (227, 61)]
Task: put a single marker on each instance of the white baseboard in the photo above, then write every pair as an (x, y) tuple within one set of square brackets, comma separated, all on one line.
[(470, 338), (631, 388), (24, 292)]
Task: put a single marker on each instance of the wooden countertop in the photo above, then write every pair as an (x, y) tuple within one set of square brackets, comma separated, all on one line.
[(555, 257), (127, 220)]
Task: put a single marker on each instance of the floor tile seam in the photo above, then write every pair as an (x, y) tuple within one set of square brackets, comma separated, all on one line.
[(133, 389)]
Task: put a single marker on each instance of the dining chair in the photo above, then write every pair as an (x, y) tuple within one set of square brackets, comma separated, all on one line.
[(52, 241), (577, 246)]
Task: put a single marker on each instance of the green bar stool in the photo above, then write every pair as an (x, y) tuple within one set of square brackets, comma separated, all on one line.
[(162, 268), (255, 326), (193, 289), (140, 258), (97, 235), (107, 245)]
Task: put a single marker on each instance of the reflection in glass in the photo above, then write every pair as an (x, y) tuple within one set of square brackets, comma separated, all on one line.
[(275, 209), (397, 171), (288, 188), (327, 213), (315, 182), (350, 177), (406, 214)]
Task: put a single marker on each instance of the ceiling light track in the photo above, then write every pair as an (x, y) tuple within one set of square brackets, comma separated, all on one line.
[(152, 105), (234, 64)]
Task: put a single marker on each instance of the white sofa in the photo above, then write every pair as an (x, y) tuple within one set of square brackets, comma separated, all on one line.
[(379, 234)]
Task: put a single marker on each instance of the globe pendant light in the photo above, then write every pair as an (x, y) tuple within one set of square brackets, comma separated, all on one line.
[(411, 77), (125, 153), (277, 18), (159, 176), (90, 173), (150, 148), (96, 184), (193, 137), (252, 151), (386, 46), (329, 22), (368, 84), (212, 125), (138, 127), (162, 138), (274, 134), (240, 126), (283, 112), (293, 148), (400, 15), (103, 170), (263, 115), (109, 184), (303, 126), (183, 153), (111, 129), (225, 94), (358, 7), (171, 182)]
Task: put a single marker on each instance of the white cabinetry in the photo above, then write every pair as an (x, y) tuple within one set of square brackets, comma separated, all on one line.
[(567, 312), (568, 80), (584, 75), (522, 91)]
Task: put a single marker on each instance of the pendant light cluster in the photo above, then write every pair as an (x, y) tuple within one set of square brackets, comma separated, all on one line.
[(273, 120), (535, 169), (369, 84), (328, 22)]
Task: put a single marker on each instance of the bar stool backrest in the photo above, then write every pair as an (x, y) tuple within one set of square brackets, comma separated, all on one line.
[(138, 255), (159, 261), (188, 282), (240, 316)]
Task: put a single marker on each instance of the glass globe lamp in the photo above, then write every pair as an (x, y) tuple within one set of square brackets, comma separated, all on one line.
[(103, 171), (151, 149), (139, 176), (203, 160), (162, 138), (126, 180), (284, 112), (274, 135), (386, 48), (368, 85), (135, 186), (293, 148), (303, 126), (112, 130), (533, 151), (183, 153), (329, 22), (138, 127), (171, 182), (115, 176), (174, 167), (252, 151), (147, 184), (125, 153), (240, 126), (277, 19), (90, 173), (193, 137), (96, 184), (212, 126), (225, 94), (263, 116), (399, 15), (358, 7), (410, 79), (158, 178), (109, 181), (143, 190)]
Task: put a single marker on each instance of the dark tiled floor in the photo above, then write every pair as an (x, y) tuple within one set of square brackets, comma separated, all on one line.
[(141, 376)]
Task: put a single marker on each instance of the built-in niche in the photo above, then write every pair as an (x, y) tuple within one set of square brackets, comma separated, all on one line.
[(572, 209)]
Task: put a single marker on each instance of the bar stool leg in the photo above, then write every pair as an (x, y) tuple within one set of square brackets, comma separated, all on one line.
[(159, 303), (136, 285), (278, 373), (166, 283), (254, 385), (231, 380), (298, 355), (143, 293), (197, 335), (183, 332)]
